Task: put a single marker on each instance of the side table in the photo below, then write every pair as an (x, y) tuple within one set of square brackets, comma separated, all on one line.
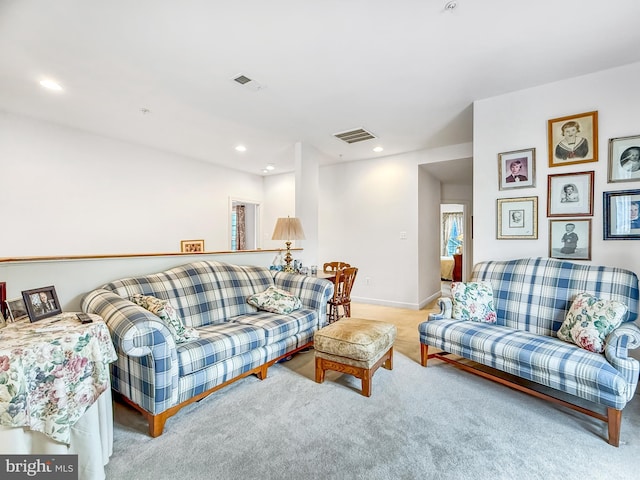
[(55, 394)]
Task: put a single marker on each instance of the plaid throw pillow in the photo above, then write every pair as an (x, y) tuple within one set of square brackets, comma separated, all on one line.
[(590, 320)]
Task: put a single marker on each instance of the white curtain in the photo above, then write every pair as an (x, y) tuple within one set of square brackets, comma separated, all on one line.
[(451, 232)]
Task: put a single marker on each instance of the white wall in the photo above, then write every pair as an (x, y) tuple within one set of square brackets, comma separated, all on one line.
[(519, 120), (364, 206), (429, 192), (68, 192)]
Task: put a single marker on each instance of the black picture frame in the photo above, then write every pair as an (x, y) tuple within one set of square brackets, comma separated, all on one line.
[(619, 220), (41, 303)]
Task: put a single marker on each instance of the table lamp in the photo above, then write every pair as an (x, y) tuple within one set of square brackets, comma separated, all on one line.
[(288, 229)]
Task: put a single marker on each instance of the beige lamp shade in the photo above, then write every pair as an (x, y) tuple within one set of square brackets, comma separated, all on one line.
[(288, 229)]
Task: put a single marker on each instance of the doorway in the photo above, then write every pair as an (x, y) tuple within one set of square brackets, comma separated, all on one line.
[(244, 225)]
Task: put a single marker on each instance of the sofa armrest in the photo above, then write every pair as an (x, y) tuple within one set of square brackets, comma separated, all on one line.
[(446, 306), (314, 293), (146, 371), (616, 350)]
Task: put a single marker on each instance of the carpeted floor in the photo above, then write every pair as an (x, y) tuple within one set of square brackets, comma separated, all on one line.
[(419, 423)]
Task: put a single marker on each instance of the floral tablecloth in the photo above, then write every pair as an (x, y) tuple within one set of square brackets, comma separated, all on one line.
[(52, 371)]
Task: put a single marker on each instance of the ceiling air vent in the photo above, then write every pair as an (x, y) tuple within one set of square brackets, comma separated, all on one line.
[(242, 79), (353, 136)]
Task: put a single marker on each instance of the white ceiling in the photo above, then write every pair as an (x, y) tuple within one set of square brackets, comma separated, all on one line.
[(406, 70)]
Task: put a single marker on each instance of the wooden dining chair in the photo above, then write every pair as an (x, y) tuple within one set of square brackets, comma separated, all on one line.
[(334, 266), (342, 286)]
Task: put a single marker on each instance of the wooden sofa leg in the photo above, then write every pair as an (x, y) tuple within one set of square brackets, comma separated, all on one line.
[(424, 354), (614, 419), (156, 424)]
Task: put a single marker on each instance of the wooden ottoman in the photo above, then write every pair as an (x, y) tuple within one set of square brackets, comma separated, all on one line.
[(354, 346)]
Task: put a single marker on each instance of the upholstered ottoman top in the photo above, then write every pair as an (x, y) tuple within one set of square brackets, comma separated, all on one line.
[(355, 338)]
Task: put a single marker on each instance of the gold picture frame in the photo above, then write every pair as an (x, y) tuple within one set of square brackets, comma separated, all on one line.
[(573, 139), (517, 218), (192, 246)]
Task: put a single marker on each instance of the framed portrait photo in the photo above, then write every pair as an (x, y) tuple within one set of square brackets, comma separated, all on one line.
[(570, 194), (517, 218), (192, 246), (621, 217), (41, 303), (570, 238), (517, 169), (573, 139), (16, 309), (624, 159)]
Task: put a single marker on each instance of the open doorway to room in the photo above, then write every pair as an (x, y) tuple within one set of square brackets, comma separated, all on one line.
[(452, 233), (245, 225)]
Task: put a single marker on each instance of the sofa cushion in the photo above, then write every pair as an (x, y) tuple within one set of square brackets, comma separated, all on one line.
[(473, 301), (278, 327), (589, 320), (217, 343), (165, 311), (275, 300), (542, 359)]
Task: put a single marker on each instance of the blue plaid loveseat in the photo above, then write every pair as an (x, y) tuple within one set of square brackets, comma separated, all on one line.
[(531, 298), (157, 376)]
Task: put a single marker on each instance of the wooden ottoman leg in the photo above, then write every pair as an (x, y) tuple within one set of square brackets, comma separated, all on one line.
[(319, 370), (388, 364), (366, 382)]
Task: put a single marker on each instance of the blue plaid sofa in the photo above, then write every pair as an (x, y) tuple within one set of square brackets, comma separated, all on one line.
[(531, 298), (157, 376)]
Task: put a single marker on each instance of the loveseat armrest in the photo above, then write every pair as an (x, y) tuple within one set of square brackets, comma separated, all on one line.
[(446, 306), (314, 293), (616, 350), (146, 371)]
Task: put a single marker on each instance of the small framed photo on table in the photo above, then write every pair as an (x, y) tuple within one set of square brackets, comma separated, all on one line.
[(570, 238), (570, 194), (16, 309), (573, 139), (621, 215), (624, 159), (41, 303), (517, 218), (517, 169), (192, 246)]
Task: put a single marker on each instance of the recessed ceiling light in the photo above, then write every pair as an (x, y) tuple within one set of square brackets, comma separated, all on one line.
[(50, 85), (271, 167), (378, 149), (264, 170), (241, 148)]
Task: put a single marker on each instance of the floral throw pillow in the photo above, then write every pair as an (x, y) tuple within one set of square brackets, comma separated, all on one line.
[(473, 301), (589, 320), (275, 300), (166, 312)]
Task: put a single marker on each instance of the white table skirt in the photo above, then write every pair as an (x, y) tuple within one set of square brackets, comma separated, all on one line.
[(91, 440)]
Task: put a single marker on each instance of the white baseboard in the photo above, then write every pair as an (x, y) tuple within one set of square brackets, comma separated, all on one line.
[(390, 303)]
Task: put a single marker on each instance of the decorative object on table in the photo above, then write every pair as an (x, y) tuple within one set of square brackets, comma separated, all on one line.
[(517, 169), (314, 269), (624, 159), (288, 229), (41, 302), (621, 215), (517, 218), (3, 299), (570, 194), (570, 239), (16, 309), (573, 139), (191, 246)]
